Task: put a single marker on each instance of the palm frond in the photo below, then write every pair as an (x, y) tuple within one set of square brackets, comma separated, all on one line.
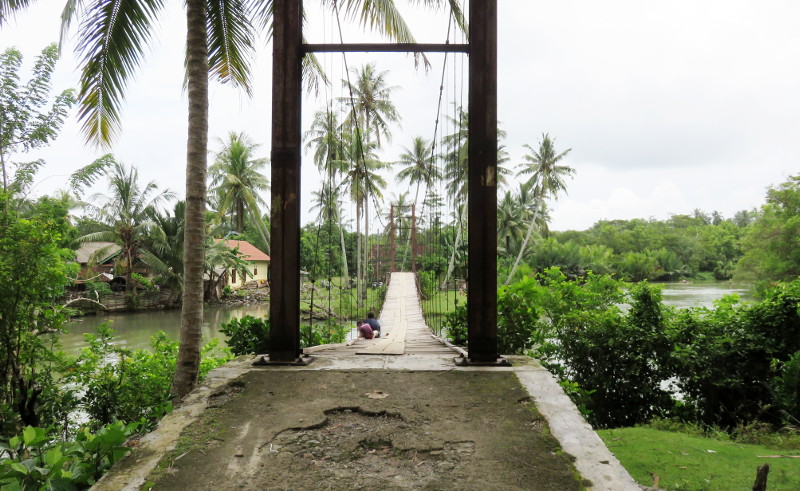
[(231, 42), (10, 7), (113, 37)]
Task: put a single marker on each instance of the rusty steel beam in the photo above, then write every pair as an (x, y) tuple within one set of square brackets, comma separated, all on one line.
[(385, 48), (482, 185), (285, 211)]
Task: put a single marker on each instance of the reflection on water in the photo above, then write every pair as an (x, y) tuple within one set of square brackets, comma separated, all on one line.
[(134, 330), (703, 294)]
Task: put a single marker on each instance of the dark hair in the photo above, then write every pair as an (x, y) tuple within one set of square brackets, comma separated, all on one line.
[(370, 316)]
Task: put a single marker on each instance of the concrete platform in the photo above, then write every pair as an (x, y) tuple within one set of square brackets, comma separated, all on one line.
[(407, 362)]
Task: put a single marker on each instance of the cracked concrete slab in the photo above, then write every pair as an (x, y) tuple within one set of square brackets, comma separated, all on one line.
[(597, 467)]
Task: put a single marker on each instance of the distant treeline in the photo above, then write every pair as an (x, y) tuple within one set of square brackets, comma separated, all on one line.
[(757, 245)]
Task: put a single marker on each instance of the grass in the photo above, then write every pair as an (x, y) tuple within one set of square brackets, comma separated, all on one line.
[(690, 462), (439, 304), (341, 300)]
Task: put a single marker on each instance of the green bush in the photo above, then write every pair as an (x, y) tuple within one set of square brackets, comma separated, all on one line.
[(428, 283), (125, 385), (247, 336), (142, 282), (455, 323), (97, 289), (786, 387), (37, 460), (227, 291)]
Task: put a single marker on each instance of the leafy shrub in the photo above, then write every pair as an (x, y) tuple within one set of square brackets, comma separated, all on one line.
[(428, 282), (97, 289), (519, 325), (787, 389), (328, 332), (227, 291), (36, 460), (142, 282), (247, 335), (455, 323), (129, 385), (124, 385)]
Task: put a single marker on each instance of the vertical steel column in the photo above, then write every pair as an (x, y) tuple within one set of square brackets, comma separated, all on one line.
[(286, 140), (482, 205)]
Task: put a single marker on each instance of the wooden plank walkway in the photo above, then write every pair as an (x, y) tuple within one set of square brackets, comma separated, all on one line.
[(403, 328)]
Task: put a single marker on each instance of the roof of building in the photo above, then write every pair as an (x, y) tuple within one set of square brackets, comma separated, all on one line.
[(85, 251), (248, 250)]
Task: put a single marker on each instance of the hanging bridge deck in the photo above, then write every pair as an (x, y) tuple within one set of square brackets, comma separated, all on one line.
[(403, 328)]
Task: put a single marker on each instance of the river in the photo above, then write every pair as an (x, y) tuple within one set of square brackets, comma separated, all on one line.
[(702, 293), (134, 330)]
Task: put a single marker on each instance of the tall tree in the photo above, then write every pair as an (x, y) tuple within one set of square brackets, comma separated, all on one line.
[(219, 40), (456, 172), (237, 182), (326, 138), (419, 168), (28, 119), (329, 205), (771, 245), (372, 112), (126, 212), (364, 183), (546, 179)]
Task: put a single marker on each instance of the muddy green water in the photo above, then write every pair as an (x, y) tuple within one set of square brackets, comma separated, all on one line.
[(704, 293), (134, 330)]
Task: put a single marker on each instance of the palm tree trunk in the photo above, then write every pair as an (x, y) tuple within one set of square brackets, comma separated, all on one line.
[(457, 242), (188, 363), (524, 244)]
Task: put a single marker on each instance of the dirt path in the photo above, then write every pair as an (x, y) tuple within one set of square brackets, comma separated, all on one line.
[(368, 429)]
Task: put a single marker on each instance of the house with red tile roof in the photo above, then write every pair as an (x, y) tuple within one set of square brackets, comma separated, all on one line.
[(257, 264)]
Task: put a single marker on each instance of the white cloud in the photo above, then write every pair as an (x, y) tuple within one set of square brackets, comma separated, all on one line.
[(668, 106)]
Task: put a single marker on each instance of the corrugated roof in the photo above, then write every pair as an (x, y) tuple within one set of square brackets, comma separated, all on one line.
[(86, 250), (248, 250)]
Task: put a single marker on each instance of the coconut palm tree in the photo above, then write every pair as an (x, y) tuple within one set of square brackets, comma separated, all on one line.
[(329, 204), (371, 108), (546, 179), (510, 221), (163, 252), (456, 172), (371, 113), (326, 138), (419, 168), (237, 182), (113, 38), (126, 213), (418, 165), (363, 183)]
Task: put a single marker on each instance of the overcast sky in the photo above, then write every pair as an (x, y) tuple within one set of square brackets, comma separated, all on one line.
[(668, 106)]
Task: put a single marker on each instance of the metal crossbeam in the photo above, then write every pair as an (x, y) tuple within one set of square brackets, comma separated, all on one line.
[(385, 48)]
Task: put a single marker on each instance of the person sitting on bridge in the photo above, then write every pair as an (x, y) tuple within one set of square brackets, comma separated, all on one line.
[(365, 331), (374, 324)]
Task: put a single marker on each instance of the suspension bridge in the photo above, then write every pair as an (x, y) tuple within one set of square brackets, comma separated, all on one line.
[(390, 413), (403, 328)]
